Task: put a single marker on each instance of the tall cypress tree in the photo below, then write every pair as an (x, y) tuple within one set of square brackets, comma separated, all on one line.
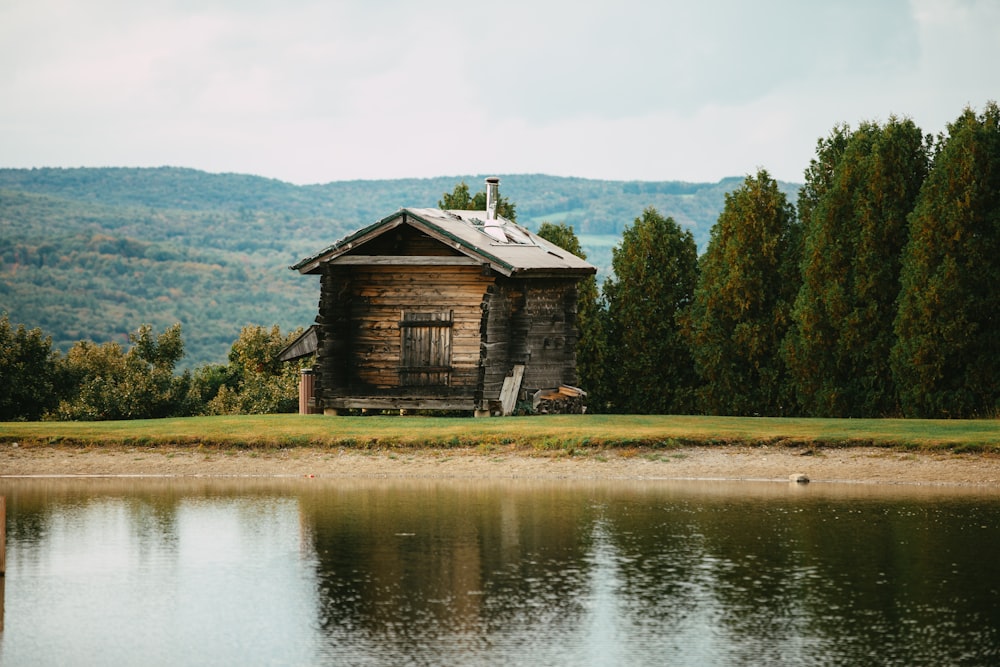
[(820, 172), (649, 362), (747, 282), (854, 234), (811, 336), (947, 354)]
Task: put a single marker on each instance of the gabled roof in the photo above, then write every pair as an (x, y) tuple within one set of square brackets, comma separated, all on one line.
[(520, 252)]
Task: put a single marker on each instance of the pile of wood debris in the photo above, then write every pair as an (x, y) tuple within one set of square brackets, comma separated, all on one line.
[(565, 400)]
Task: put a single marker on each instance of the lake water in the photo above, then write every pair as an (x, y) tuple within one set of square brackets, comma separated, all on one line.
[(379, 572)]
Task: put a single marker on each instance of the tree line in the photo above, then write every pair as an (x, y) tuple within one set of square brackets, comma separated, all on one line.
[(107, 381), (877, 295)]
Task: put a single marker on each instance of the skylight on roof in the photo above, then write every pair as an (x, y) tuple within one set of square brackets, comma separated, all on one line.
[(501, 231)]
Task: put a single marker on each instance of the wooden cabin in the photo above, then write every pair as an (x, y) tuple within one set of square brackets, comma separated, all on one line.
[(431, 309)]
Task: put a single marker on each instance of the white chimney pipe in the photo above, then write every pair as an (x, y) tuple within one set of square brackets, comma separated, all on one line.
[(492, 197), (492, 226)]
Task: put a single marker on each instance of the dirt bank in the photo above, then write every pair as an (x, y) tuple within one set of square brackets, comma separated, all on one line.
[(865, 465)]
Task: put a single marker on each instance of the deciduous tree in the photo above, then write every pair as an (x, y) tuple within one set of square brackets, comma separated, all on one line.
[(107, 382), (258, 382), (459, 199), (27, 372)]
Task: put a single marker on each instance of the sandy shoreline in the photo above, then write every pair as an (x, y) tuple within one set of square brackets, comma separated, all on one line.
[(859, 465)]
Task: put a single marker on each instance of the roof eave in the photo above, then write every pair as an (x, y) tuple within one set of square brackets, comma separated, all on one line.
[(577, 273), (313, 264)]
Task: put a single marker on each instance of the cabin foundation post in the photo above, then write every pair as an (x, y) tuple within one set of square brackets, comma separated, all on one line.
[(479, 414), (330, 412), (307, 383)]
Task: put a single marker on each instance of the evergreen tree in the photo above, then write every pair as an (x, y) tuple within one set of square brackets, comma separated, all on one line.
[(747, 281), (650, 369), (839, 347), (811, 334), (590, 362), (947, 354), (820, 172)]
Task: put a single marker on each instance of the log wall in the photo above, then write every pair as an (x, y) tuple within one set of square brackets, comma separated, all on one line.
[(383, 294), (530, 322), (360, 337), (333, 335), (550, 308), (495, 323)]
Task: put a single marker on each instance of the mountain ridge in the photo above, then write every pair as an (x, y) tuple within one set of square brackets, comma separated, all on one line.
[(93, 253)]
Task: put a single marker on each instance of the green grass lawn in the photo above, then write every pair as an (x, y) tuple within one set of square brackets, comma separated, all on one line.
[(548, 432)]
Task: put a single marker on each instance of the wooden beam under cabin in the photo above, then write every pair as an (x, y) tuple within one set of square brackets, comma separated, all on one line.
[(402, 403)]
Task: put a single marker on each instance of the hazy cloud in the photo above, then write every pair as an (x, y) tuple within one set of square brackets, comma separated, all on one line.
[(316, 91)]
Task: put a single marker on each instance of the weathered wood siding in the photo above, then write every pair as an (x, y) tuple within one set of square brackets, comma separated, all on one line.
[(500, 303), (550, 307), (376, 299), (333, 336), (530, 322), (438, 336)]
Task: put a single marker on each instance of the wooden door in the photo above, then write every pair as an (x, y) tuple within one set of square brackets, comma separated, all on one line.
[(425, 348)]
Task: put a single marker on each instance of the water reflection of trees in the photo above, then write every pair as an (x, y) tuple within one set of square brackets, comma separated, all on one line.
[(793, 580), (446, 569), (47, 504), (147, 508), (419, 564), (415, 568)]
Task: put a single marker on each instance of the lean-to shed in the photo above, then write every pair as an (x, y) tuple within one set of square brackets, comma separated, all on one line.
[(443, 310)]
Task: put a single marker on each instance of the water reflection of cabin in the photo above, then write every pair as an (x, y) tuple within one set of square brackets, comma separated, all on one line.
[(431, 309)]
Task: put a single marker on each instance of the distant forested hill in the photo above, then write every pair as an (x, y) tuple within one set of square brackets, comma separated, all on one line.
[(95, 253)]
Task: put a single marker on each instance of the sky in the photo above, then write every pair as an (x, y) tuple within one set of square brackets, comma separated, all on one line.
[(313, 91)]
